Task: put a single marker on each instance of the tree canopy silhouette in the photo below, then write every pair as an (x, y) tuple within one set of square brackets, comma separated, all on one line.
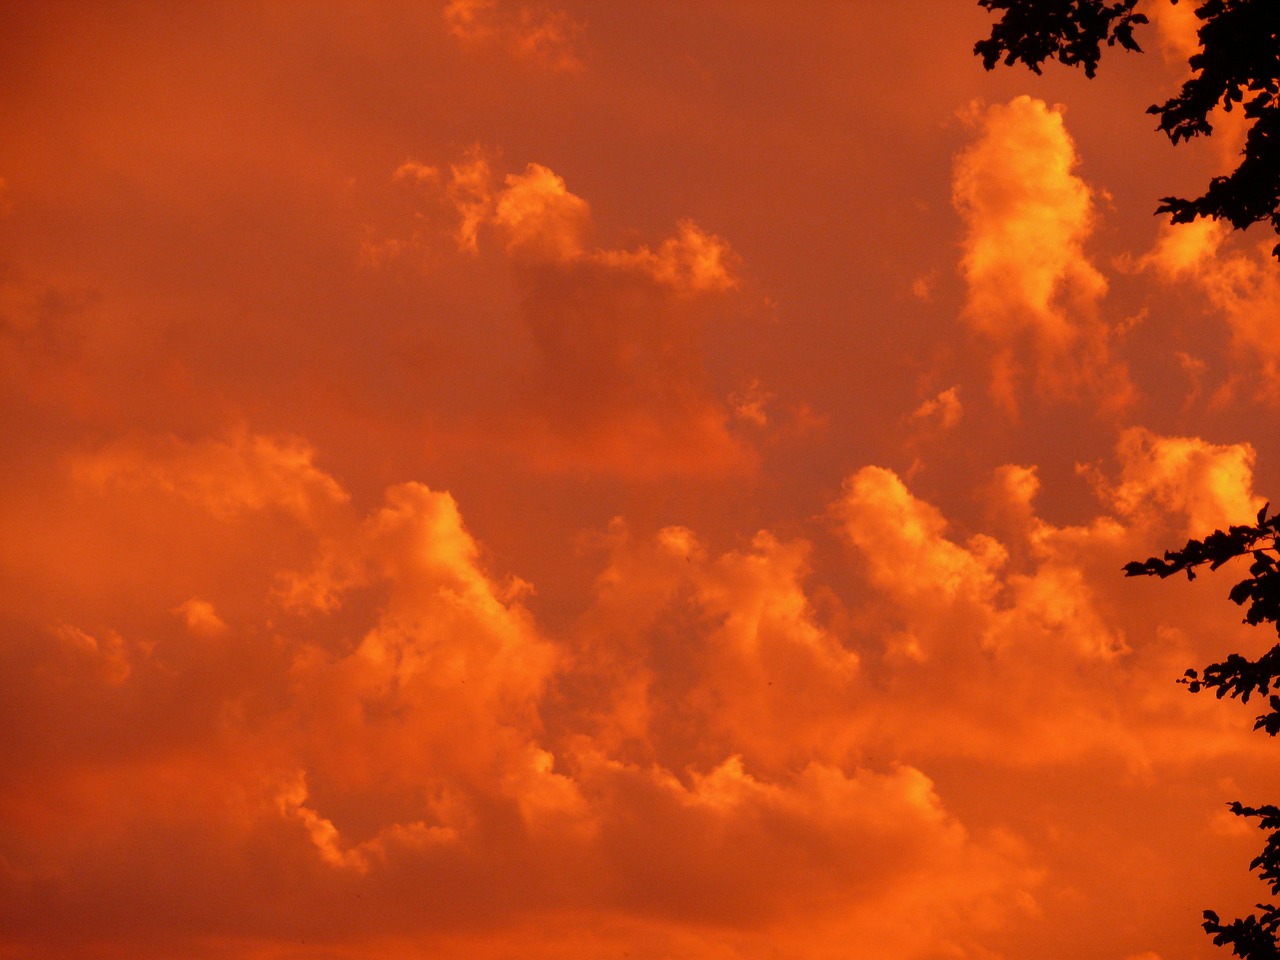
[(1253, 937), (1237, 66)]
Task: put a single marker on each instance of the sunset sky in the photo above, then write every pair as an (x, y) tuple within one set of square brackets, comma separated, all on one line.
[(592, 480)]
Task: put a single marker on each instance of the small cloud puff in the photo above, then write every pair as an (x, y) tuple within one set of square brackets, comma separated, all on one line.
[(943, 411), (540, 218), (200, 617), (543, 36)]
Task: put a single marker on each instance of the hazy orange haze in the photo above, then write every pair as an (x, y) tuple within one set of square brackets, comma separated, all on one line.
[(592, 480)]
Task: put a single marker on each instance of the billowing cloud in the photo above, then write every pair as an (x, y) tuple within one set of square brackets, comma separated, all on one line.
[(1033, 292), (905, 547), (618, 553), (728, 737), (409, 737), (766, 680), (1211, 485), (1043, 599), (542, 221)]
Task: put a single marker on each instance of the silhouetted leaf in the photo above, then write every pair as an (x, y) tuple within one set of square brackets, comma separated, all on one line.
[(1237, 63)]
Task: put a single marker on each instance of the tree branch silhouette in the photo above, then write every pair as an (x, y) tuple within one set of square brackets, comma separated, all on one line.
[(1253, 937), (1237, 66)]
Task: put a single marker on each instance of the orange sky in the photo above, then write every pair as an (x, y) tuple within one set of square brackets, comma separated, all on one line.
[(599, 480)]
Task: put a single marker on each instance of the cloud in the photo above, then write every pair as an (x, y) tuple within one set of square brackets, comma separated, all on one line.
[(107, 654), (417, 172), (542, 221), (735, 738), (728, 847), (904, 545), (1210, 485), (470, 19), (1182, 249), (411, 741), (619, 384), (1177, 27), (200, 617), (440, 695), (1241, 286), (242, 472), (766, 680), (1033, 293), (752, 404), (942, 411), (691, 262), (1022, 613), (543, 36), (470, 193)]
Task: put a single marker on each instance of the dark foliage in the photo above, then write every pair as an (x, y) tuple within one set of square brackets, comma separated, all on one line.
[(1033, 31), (1254, 937), (1236, 676), (1237, 66)]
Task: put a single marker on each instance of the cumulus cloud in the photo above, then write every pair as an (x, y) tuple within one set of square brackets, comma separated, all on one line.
[(834, 843), (1033, 292), (1043, 599), (415, 733), (767, 680), (691, 262), (734, 737), (541, 219), (1210, 485), (906, 551)]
